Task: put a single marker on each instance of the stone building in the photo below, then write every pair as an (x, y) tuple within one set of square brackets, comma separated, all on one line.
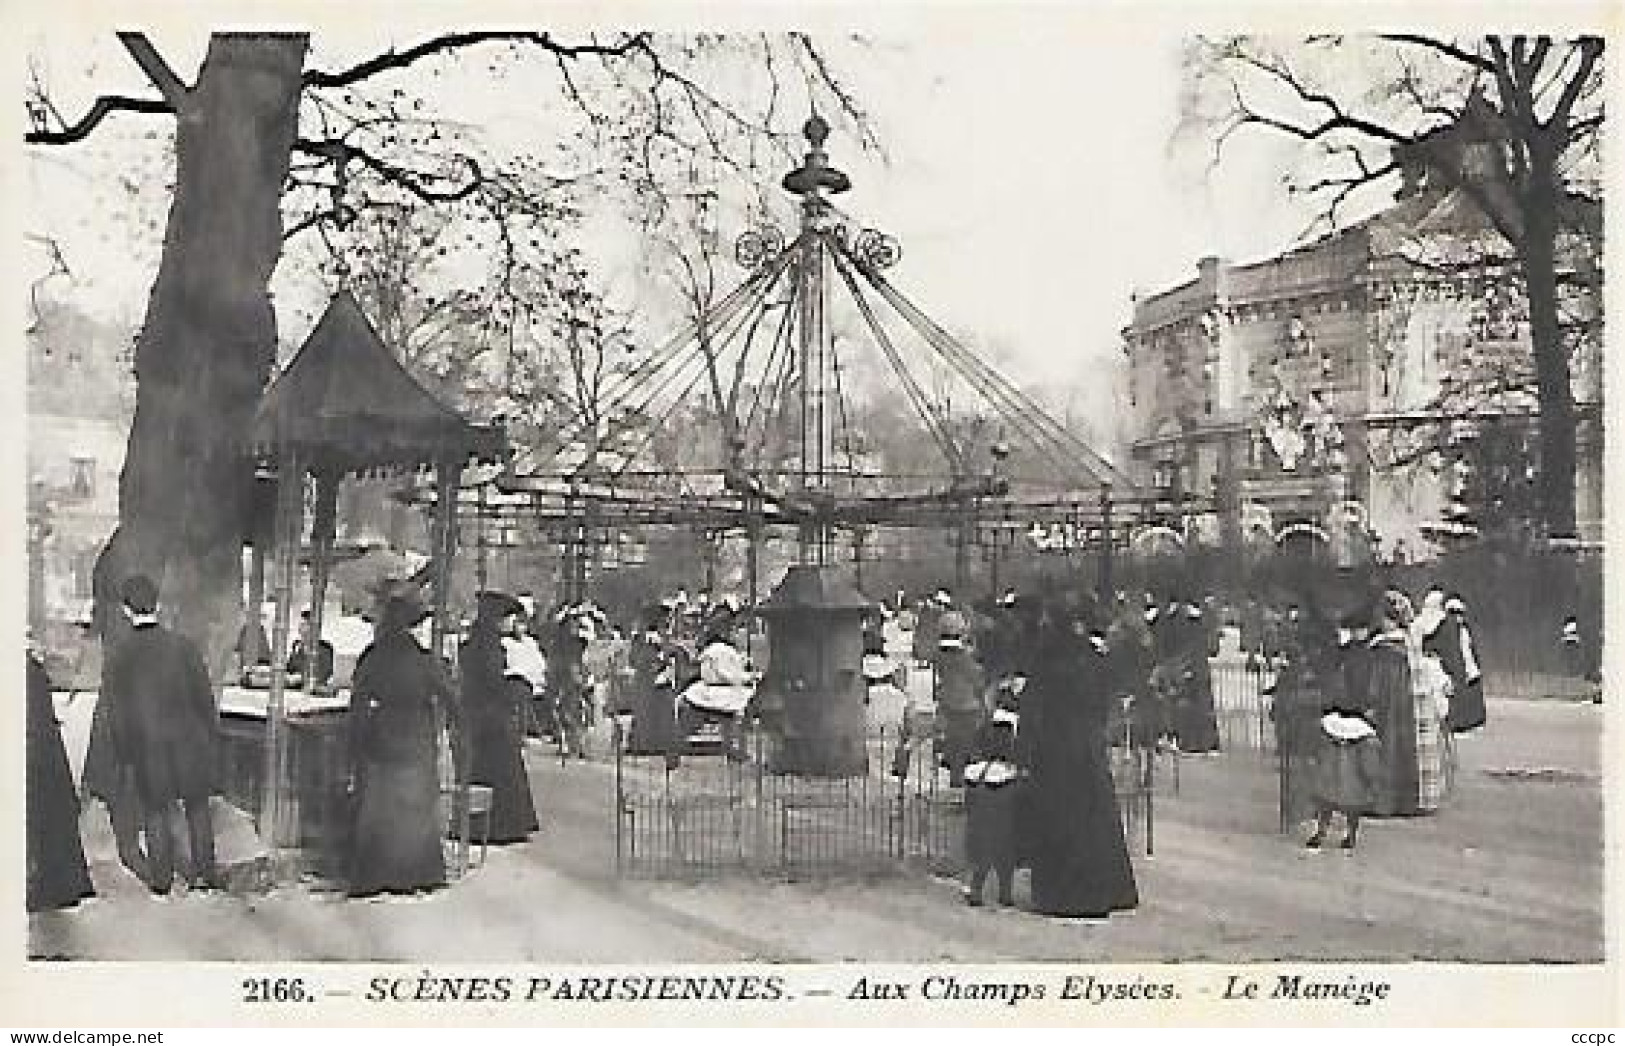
[(80, 397), (1318, 387)]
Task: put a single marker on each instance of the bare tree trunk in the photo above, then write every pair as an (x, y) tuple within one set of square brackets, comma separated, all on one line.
[(209, 341), (1554, 392)]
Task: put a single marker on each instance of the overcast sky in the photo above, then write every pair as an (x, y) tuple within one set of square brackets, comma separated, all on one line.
[(1030, 179)]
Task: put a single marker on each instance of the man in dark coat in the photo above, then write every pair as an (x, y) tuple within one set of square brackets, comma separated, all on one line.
[(959, 698), (163, 719), (1079, 857), (57, 876), (495, 720)]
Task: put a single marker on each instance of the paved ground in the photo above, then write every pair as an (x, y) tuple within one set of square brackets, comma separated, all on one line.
[(1512, 871)]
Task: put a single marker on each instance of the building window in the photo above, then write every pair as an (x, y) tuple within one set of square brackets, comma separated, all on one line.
[(82, 477)]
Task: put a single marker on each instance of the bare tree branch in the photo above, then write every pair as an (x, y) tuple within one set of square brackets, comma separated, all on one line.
[(1449, 50), (1590, 50), (342, 152), (1336, 120), (171, 86), (452, 41), (103, 107)]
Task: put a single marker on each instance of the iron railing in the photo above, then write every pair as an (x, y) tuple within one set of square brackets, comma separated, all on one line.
[(723, 809), (1242, 703)]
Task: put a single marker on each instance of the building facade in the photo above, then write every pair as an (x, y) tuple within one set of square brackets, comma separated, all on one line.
[(1327, 385), (80, 396)]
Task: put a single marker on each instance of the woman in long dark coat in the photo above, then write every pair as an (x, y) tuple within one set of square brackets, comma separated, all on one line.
[(399, 692), (1391, 708), (57, 876), (651, 701), (1196, 721), (1451, 640), (1079, 857), (494, 720), (1309, 682)]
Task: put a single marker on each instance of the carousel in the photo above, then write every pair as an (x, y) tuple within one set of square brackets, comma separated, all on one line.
[(748, 425)]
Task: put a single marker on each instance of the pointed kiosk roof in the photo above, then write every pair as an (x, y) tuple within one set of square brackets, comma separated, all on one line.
[(345, 402)]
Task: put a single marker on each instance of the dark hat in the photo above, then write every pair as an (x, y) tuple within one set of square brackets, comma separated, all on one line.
[(140, 593), (495, 606), (401, 611)]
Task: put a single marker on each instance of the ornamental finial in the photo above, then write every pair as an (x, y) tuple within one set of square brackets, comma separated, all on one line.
[(816, 129)]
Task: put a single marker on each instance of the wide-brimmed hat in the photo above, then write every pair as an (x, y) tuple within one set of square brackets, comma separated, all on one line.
[(402, 610), (494, 606)]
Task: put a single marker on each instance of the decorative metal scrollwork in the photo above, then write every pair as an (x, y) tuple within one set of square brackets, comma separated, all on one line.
[(756, 247), (874, 249)]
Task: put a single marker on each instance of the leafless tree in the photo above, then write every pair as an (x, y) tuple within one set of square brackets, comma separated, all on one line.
[(267, 148), (1512, 123)]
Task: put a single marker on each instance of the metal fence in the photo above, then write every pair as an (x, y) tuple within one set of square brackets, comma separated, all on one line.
[(1242, 703), (723, 810)]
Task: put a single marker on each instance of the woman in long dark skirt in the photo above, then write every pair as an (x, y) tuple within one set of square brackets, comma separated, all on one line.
[(57, 876), (399, 692), (1391, 708), (1447, 635), (652, 701), (1308, 682), (494, 721), (1196, 722), (1079, 857)]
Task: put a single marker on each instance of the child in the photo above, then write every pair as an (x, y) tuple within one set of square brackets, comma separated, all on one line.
[(1346, 773), (990, 803)]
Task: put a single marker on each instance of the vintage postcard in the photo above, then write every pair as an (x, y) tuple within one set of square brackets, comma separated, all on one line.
[(1037, 514)]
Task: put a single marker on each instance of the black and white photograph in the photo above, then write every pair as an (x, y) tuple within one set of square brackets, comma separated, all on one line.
[(1029, 486)]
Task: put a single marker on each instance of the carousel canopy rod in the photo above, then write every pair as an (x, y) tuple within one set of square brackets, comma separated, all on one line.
[(985, 376), (935, 425), (1040, 444), (992, 392), (740, 319), (623, 388), (736, 313)]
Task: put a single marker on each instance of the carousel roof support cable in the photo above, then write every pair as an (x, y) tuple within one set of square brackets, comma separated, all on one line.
[(937, 427), (671, 373), (1100, 468), (844, 420), (770, 371), (629, 384), (985, 382), (642, 440), (726, 338), (776, 424), (1042, 445)]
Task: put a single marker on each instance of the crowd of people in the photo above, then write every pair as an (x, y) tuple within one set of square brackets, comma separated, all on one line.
[(1024, 699), (1368, 707), (154, 753), (1029, 694)]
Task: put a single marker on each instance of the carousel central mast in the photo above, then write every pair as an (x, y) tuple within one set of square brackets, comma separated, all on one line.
[(814, 181)]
